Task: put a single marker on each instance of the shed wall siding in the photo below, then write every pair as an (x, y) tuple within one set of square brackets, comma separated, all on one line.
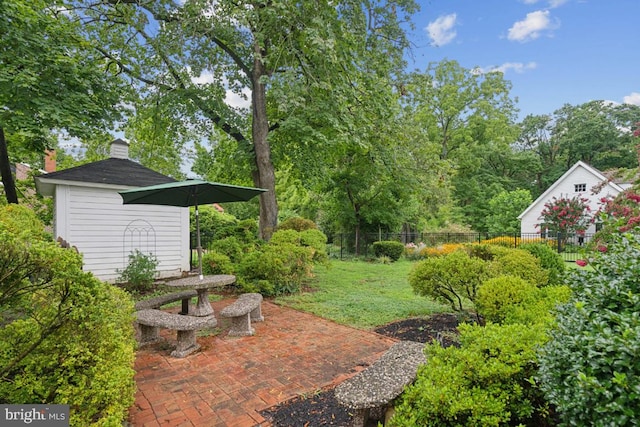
[(96, 222), (566, 188)]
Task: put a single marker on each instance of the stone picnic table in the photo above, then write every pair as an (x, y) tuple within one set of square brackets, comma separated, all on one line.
[(202, 287)]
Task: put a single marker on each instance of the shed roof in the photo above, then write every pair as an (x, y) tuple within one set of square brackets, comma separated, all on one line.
[(112, 171)]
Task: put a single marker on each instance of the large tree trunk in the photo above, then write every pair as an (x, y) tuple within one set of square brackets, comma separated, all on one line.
[(264, 174), (5, 171)]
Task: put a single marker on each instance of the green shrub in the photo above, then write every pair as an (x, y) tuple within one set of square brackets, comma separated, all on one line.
[(549, 259), (483, 251), (450, 279), (297, 224), (140, 272), (286, 236), (280, 266), (230, 246), (313, 239), (590, 368), (519, 263), (317, 241), (213, 224), (540, 310), (21, 221), (275, 269), (216, 263), (486, 382), (503, 241), (388, 248), (41, 206), (65, 336), (247, 231), (499, 297)]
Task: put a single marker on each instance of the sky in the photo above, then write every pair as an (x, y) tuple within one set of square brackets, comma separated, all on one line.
[(554, 52)]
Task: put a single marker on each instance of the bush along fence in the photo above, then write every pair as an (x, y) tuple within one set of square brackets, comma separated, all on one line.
[(343, 246)]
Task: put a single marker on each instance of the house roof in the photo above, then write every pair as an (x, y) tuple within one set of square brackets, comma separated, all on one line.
[(622, 177), (580, 164), (112, 171)]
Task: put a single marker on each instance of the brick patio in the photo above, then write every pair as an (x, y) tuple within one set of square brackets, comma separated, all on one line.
[(230, 380)]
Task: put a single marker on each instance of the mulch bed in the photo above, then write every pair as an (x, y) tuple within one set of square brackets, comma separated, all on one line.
[(322, 409)]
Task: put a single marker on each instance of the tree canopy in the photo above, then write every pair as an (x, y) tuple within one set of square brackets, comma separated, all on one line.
[(50, 81), (309, 100), (274, 55)]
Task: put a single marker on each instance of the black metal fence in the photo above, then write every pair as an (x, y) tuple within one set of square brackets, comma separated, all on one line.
[(342, 246)]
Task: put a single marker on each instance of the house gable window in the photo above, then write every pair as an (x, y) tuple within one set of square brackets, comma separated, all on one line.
[(580, 188)]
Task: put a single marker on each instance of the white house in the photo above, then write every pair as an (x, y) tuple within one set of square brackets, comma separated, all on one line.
[(580, 180), (89, 214)]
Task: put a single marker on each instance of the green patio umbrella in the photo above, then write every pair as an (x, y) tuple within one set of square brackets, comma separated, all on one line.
[(190, 193)]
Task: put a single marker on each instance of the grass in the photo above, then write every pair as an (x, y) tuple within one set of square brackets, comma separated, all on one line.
[(362, 294)]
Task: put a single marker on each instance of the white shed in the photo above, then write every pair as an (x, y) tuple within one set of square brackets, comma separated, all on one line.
[(580, 180), (89, 214)]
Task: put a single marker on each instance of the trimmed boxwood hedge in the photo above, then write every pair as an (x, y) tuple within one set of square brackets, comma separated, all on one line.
[(388, 248)]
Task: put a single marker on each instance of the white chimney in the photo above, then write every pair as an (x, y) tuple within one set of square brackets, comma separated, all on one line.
[(119, 149)]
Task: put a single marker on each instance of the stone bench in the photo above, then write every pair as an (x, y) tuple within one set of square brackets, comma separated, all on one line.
[(371, 392), (151, 320), (242, 311), (159, 301)]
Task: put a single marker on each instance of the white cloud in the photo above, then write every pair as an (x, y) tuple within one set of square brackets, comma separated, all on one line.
[(552, 3), (518, 67), (232, 99), (557, 3), (633, 98), (236, 100), (532, 26), (441, 30), (204, 78), (60, 9)]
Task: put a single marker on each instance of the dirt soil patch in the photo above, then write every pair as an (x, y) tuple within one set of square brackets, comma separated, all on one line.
[(322, 409)]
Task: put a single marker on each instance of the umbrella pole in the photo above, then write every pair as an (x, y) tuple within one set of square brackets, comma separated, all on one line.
[(199, 248)]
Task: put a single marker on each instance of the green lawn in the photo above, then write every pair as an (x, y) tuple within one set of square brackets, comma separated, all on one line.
[(362, 294)]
